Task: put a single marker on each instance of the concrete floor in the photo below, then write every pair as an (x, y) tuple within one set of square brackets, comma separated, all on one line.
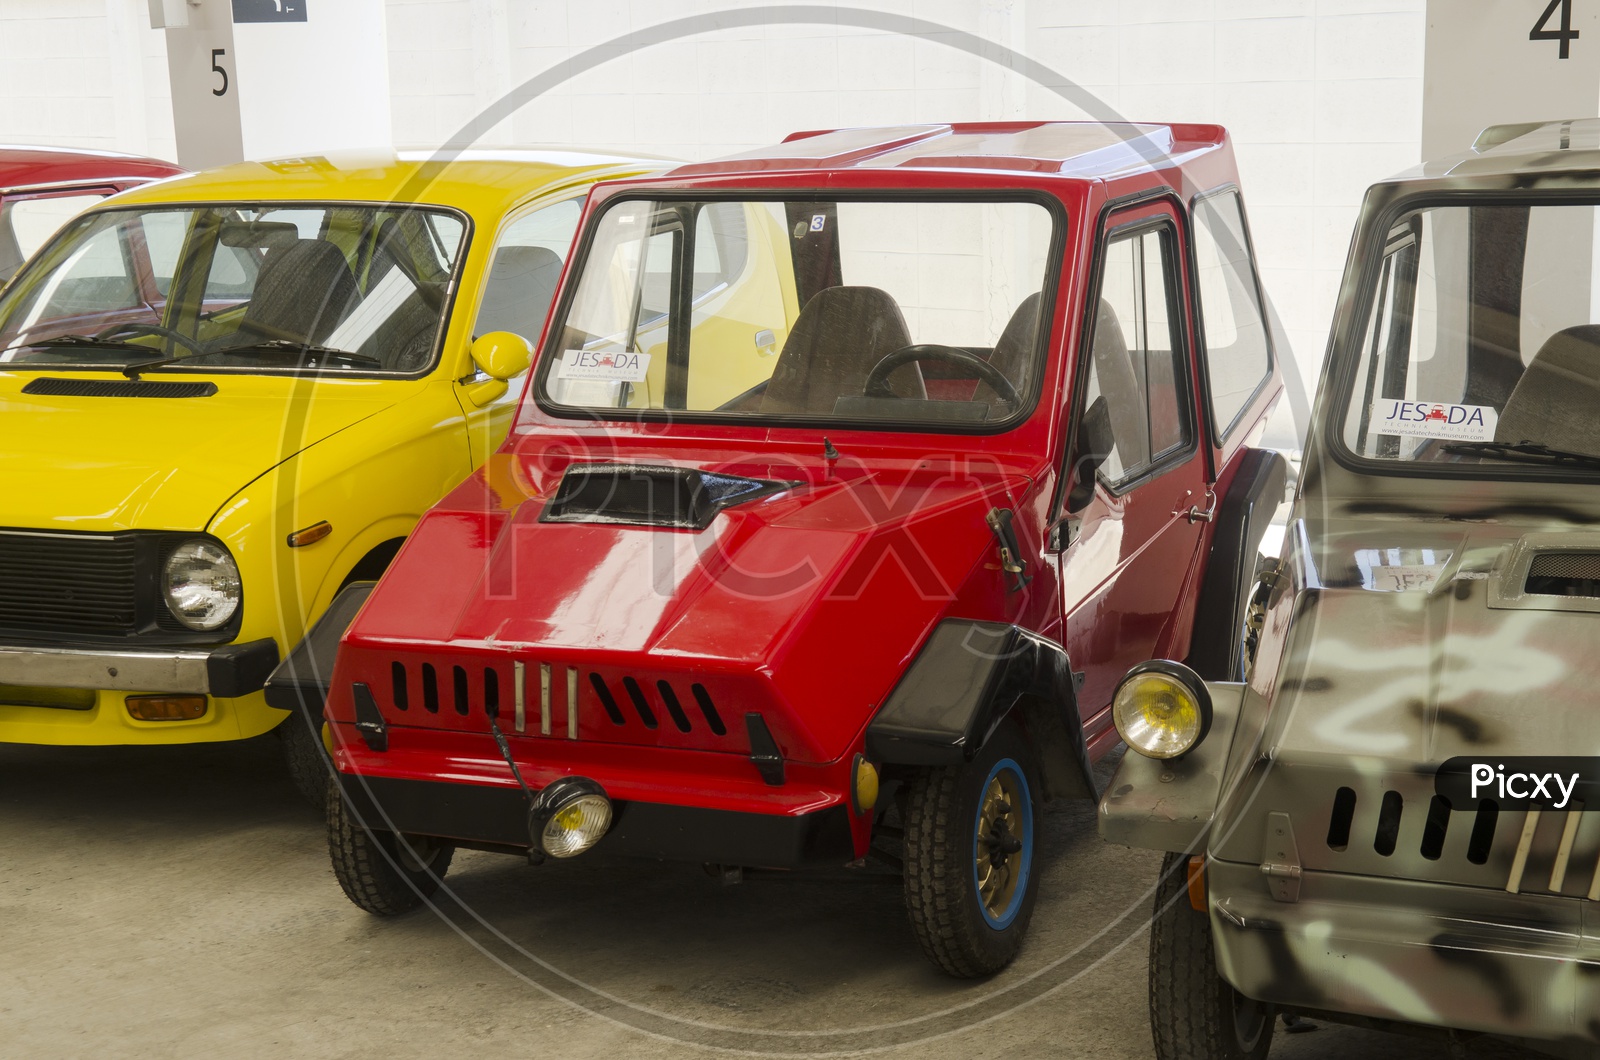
[(178, 903)]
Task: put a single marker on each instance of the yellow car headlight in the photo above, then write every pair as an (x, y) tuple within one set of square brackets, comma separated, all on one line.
[(1162, 709)]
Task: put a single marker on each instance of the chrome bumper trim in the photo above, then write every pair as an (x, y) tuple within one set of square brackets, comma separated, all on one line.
[(119, 671)]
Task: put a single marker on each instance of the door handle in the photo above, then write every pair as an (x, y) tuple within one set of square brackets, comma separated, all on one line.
[(1195, 513)]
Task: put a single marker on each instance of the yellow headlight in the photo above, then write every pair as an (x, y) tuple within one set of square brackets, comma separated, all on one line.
[(1161, 710)]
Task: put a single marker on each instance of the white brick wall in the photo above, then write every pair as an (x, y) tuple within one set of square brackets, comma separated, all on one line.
[(84, 73), (1322, 96)]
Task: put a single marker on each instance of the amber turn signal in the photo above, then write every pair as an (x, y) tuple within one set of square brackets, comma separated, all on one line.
[(864, 789), (311, 534), (166, 708), (1197, 882)]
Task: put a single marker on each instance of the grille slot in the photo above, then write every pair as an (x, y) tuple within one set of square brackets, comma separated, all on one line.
[(674, 708), (430, 689), (606, 700), (709, 709), (1436, 828), (1564, 574), (491, 692), (459, 681), (397, 677), (1483, 827), (640, 704), (1388, 823), (1344, 811)]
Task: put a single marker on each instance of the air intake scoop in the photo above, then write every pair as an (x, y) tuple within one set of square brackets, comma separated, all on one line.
[(681, 498)]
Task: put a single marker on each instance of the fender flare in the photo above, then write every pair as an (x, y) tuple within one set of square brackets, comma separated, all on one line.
[(300, 682), (1242, 519), (969, 677)]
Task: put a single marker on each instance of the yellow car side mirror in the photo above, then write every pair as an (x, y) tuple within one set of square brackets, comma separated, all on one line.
[(502, 354)]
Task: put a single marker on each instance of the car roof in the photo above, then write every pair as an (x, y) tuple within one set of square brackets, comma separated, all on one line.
[(1523, 149), (478, 179), (1082, 150), (31, 167)]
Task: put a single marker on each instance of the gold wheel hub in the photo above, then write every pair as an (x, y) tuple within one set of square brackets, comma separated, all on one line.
[(999, 843)]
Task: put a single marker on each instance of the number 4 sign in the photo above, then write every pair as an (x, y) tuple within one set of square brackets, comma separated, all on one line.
[(1566, 34)]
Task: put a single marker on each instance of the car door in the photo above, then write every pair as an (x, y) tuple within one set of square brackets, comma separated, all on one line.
[(1139, 481)]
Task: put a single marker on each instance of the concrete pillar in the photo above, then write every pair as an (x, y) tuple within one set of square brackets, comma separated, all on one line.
[(1480, 68), (274, 78)]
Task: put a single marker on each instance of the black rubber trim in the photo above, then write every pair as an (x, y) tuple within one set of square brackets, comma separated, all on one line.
[(968, 678), (301, 681), (498, 816), (239, 669), (1243, 515), (764, 753), (369, 719)]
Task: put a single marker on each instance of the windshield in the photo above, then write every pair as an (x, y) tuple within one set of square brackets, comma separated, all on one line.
[(870, 312), (302, 286), (1482, 343)]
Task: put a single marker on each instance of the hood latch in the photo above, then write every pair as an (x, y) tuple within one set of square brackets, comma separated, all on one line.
[(1282, 864)]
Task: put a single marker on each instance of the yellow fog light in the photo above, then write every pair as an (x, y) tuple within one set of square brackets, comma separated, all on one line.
[(864, 791), (569, 817), (166, 708), (1161, 709)]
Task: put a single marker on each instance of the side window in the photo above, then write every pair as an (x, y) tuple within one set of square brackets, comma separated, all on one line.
[(1135, 363), (25, 224), (720, 247), (1238, 358), (527, 263)]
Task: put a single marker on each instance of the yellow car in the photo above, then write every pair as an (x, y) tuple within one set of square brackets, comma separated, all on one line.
[(226, 396)]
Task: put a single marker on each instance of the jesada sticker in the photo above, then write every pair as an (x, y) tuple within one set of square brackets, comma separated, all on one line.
[(1434, 419), (618, 367)]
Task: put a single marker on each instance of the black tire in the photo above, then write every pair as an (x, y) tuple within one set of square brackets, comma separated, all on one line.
[(307, 760), (1194, 1013), (966, 930), (384, 874)]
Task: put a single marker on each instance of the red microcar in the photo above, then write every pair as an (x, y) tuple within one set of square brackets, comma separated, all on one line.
[(852, 475), (41, 188)]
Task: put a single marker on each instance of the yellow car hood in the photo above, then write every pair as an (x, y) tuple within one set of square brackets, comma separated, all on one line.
[(157, 463)]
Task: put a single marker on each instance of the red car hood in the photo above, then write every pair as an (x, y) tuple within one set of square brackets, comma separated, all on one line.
[(807, 602)]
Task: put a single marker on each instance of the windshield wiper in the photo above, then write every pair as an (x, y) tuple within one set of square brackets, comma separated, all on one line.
[(1526, 452), (301, 349), (80, 341)]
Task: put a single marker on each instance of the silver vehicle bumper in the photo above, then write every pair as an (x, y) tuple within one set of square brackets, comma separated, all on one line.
[(231, 670)]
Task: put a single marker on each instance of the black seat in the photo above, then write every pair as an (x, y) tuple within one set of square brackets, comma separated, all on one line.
[(1119, 385), (837, 338), (1014, 354), (522, 282), (1557, 400), (301, 294)]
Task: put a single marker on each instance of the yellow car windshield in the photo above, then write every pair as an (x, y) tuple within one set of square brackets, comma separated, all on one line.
[(874, 312), (235, 287)]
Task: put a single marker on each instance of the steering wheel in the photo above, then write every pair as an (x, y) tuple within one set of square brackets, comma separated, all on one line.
[(877, 384), (151, 329)]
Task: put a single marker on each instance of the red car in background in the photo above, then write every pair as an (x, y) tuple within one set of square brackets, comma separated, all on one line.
[(853, 475), (42, 187)]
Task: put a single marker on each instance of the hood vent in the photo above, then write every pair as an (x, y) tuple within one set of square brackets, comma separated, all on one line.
[(55, 386), (1564, 574), (681, 498)]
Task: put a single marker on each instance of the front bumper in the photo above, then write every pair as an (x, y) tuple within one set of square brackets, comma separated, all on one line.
[(1439, 955), (229, 671), (497, 816)]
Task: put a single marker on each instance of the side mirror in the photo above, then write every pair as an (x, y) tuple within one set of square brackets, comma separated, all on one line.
[(502, 354), (1094, 443)]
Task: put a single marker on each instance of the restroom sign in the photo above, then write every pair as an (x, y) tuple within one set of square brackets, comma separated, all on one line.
[(269, 10)]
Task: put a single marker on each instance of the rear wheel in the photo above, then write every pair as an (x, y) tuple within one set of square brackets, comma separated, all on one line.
[(381, 872), (1194, 1013), (971, 853)]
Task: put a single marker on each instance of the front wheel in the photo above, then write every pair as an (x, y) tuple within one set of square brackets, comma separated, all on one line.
[(306, 759), (971, 856), (381, 872), (1194, 1013)]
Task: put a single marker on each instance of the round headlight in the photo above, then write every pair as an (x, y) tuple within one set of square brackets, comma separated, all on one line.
[(201, 585), (569, 817), (1161, 709)]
